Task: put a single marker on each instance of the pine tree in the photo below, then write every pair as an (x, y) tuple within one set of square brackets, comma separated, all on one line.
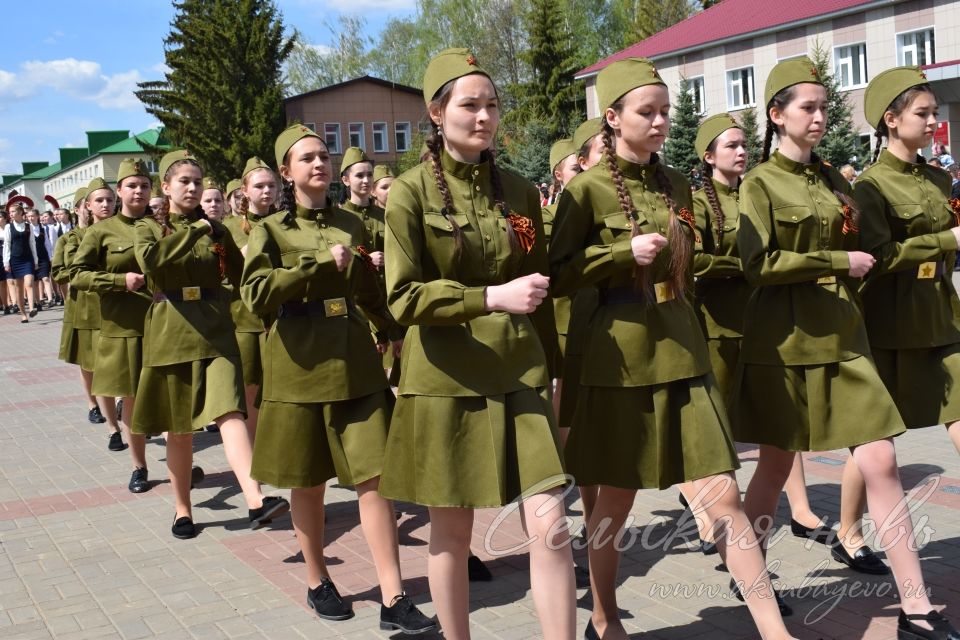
[(640, 19), (679, 149), (222, 98), (841, 143), (528, 153), (754, 144)]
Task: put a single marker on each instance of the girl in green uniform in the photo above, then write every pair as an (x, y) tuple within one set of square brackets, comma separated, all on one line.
[(191, 370), (473, 426), (326, 404), (382, 181), (807, 379), (105, 263), (211, 200), (69, 333), (649, 413)]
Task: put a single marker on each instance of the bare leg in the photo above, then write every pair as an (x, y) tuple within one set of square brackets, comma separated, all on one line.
[(796, 488), (551, 564), (180, 464), (253, 414), (138, 442), (450, 532), (86, 377), (108, 409), (605, 524), (48, 288), (28, 289), (853, 503), (704, 522), (307, 516), (953, 429), (18, 287), (379, 523), (238, 448), (763, 493)]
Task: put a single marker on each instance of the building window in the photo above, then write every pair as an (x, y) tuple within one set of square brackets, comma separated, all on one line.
[(402, 131), (850, 65), (311, 125), (331, 136), (916, 48), (740, 91), (695, 87), (380, 144), (356, 135)]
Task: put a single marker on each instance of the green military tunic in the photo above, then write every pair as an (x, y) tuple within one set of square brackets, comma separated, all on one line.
[(649, 413), (910, 305), (81, 348), (60, 275), (100, 264), (326, 403), (807, 379), (473, 425), (191, 364), (561, 304), (249, 326), (721, 291)]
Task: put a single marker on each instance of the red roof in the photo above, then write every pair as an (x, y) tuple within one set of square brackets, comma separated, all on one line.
[(726, 19)]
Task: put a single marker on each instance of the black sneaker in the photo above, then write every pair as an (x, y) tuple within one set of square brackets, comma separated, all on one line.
[(95, 417), (403, 615), (325, 600), (138, 481), (183, 528), (477, 571), (116, 442), (196, 476), (273, 507)]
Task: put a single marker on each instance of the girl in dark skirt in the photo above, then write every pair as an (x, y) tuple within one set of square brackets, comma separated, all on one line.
[(5, 296), (43, 288), (20, 258)]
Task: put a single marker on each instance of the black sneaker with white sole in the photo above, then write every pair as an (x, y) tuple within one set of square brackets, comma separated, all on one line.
[(95, 417)]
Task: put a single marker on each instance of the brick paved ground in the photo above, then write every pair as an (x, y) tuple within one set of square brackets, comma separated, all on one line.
[(80, 557)]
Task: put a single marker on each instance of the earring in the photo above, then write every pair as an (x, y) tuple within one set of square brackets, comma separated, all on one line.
[(440, 131)]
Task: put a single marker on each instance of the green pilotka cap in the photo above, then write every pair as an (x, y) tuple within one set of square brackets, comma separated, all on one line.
[(289, 137), (210, 183), (885, 88), (382, 171), (233, 185), (560, 150), (622, 77), (352, 156), (710, 129), (253, 164), (788, 73), (95, 184), (80, 195), (132, 167), (174, 156), (448, 65), (586, 131)]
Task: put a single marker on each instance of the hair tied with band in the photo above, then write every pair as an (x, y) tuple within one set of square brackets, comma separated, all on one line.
[(526, 234), (685, 215)]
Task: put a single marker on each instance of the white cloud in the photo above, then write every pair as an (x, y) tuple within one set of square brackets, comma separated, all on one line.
[(81, 79), (161, 68), (4, 144)]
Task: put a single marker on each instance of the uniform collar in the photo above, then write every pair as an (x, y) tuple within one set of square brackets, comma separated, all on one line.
[(463, 170), (185, 218), (899, 165), (723, 189), (314, 214), (256, 217), (636, 171), (800, 168), (127, 221)]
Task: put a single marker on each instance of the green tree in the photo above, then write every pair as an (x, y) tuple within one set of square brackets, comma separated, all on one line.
[(528, 152), (680, 150), (223, 97), (312, 66), (748, 122), (841, 143), (640, 19)]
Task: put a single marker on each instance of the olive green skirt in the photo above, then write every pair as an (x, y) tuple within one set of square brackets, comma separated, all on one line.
[(68, 344), (724, 356), (304, 445), (471, 451), (86, 348), (924, 383), (814, 408), (251, 356), (650, 437), (118, 367), (186, 397)]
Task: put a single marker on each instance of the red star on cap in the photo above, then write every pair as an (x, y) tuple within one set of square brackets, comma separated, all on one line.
[(922, 73), (471, 60)]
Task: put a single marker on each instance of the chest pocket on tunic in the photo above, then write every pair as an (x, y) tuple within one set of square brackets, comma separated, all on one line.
[(120, 254), (906, 216), (617, 227), (791, 224)]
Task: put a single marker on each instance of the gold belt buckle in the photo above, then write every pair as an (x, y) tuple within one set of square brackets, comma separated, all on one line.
[(664, 292), (827, 280), (335, 307), (927, 271), (191, 293)]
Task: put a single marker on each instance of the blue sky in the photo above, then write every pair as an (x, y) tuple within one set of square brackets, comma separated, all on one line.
[(69, 67)]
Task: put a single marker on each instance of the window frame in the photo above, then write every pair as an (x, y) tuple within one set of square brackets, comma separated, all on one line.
[(385, 135), (729, 88), (408, 134), (362, 140), (337, 133), (701, 106), (865, 78), (901, 61)]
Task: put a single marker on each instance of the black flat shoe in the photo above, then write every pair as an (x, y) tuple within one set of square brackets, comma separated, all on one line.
[(95, 417), (942, 629), (183, 528), (138, 481), (116, 442), (582, 576), (24, 321), (33, 312), (325, 600), (785, 609), (212, 427), (821, 533), (864, 560), (402, 615), (196, 476), (272, 507), (591, 633), (708, 548), (683, 501), (477, 571)]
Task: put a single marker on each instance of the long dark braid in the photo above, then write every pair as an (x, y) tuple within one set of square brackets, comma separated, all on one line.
[(500, 202), (714, 201), (244, 209), (879, 134), (768, 140), (434, 143), (290, 200), (681, 246), (641, 275)]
